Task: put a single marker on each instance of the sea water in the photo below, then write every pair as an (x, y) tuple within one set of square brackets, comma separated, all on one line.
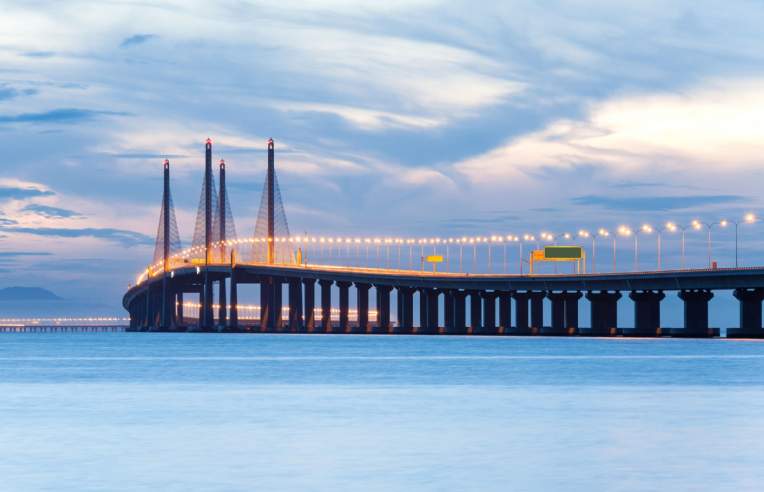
[(181, 412)]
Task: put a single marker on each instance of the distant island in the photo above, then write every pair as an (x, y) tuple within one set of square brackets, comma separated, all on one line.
[(27, 294)]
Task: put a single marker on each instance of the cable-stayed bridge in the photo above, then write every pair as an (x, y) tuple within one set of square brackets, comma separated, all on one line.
[(485, 285)]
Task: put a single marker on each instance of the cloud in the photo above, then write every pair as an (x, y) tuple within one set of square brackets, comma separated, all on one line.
[(144, 155), (711, 127), (18, 190), (366, 119), (64, 115), (51, 212), (5, 221), (136, 39), (655, 203), (119, 236), (15, 254), (39, 54)]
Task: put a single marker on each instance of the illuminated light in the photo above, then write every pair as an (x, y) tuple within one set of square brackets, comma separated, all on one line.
[(198, 270), (566, 235), (647, 229), (723, 223), (750, 218)]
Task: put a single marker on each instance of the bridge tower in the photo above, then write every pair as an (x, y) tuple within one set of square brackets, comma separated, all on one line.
[(206, 304), (271, 212), (222, 237), (167, 242), (271, 228)]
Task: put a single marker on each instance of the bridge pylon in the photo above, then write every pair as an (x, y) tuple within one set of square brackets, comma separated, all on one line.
[(272, 228)]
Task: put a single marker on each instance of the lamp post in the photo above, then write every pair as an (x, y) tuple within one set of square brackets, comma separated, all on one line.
[(625, 232), (526, 237), (585, 234), (698, 225), (645, 229), (749, 218), (672, 227)]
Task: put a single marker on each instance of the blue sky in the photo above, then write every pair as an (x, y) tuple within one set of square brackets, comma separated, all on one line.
[(390, 118)]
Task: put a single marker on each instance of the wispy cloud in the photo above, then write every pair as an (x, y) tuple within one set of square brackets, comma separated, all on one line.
[(63, 115), (656, 203), (21, 191), (120, 236), (51, 212), (136, 39), (15, 254), (39, 54)]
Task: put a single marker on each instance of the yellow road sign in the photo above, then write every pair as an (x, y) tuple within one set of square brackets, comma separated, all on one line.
[(434, 259)]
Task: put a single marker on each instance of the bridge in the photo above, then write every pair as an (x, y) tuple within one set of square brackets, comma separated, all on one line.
[(319, 275)]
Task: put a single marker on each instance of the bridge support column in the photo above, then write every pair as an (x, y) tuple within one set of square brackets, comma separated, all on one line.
[(405, 310), (344, 306), (571, 312), (208, 321), (277, 315), (537, 311), (362, 308), (558, 313), (295, 305), (476, 312), (309, 289), (489, 313), (647, 314), (265, 303), (564, 313), (423, 305), (521, 314), (448, 311), (750, 314), (432, 312), (695, 314), (180, 321), (460, 313), (383, 309), (200, 318), (326, 305), (604, 310), (505, 312), (233, 317), (164, 307), (222, 301)]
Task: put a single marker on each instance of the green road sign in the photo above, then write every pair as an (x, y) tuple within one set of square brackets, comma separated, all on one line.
[(563, 252)]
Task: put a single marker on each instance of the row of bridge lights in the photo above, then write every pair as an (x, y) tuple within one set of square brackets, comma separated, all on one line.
[(623, 231)]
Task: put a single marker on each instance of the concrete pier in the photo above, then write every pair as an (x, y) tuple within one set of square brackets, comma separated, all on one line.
[(695, 314), (750, 314), (604, 313)]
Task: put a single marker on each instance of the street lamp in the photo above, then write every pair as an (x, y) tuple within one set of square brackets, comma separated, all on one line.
[(645, 229), (625, 232), (749, 218), (698, 225), (585, 234), (605, 233), (526, 237), (673, 227)]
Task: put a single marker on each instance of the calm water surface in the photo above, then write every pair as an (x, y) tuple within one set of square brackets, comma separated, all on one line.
[(180, 412)]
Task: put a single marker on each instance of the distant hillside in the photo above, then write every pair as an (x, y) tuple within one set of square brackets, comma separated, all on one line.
[(27, 294)]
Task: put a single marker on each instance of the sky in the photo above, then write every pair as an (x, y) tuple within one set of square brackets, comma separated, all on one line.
[(400, 118)]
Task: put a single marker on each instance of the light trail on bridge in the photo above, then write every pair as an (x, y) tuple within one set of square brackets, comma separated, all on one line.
[(399, 252)]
